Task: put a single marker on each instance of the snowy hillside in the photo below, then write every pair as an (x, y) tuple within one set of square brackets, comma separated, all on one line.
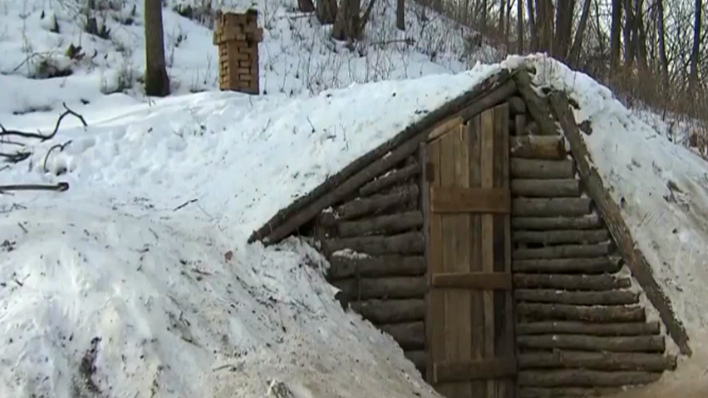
[(297, 55)]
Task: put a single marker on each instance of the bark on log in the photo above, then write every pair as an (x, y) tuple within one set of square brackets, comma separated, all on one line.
[(611, 297), (568, 392), (366, 266), (376, 204), (562, 236), (517, 106), (408, 243), (531, 128), (538, 107), (598, 265), (537, 147), (563, 312), (541, 169), (567, 251), (571, 282), (568, 188), (391, 311), (418, 357), (389, 180), (397, 287), (595, 329), (381, 225), (548, 223), (410, 336), (610, 210), (553, 207), (597, 361), (584, 378), (363, 169), (593, 343)]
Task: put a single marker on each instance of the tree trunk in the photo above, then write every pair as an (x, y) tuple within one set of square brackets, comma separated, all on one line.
[(326, 11), (532, 25), (564, 28), (305, 5), (502, 8), (544, 22), (695, 53), (401, 15), (641, 41), (520, 26), (628, 35), (615, 29), (157, 83), (574, 56), (662, 51)]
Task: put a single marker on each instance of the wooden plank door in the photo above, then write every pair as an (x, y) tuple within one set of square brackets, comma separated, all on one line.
[(469, 321)]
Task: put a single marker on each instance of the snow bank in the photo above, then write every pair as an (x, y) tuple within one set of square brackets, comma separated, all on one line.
[(663, 191)]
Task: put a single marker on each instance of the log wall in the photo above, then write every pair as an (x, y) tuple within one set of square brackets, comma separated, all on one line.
[(580, 331), (375, 246)]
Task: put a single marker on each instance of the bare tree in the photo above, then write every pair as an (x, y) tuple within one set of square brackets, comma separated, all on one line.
[(662, 50), (532, 25), (615, 29), (695, 51), (326, 11), (520, 26), (157, 83), (564, 28), (401, 15), (574, 55)]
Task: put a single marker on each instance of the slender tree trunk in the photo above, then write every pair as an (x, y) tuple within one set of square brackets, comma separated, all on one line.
[(401, 15), (641, 46), (564, 28), (695, 53), (306, 5), (662, 51), (326, 11), (628, 35), (544, 21), (574, 56), (507, 26), (157, 83), (615, 29), (502, 7), (484, 16), (532, 25), (520, 26)]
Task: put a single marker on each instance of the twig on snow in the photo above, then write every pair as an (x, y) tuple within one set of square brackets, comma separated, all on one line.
[(5, 167), (22, 227), (39, 135), (184, 204), (59, 187), (61, 149), (15, 157)]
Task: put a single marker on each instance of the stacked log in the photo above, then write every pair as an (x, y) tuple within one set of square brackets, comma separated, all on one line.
[(580, 330), (375, 246)]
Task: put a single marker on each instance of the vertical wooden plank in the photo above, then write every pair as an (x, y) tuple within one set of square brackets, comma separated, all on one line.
[(436, 304), (487, 181), (424, 206), (474, 133), (460, 342), (449, 255)]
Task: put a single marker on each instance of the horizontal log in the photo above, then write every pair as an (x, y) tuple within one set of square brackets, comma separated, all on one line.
[(408, 243), (388, 287), (418, 357), (545, 223), (610, 297), (595, 329), (469, 370), (387, 224), (605, 313), (517, 106), (566, 251), (568, 392), (376, 204), (344, 266), (537, 106), (555, 188), (410, 336), (391, 311), (597, 361), (553, 207), (584, 378), (388, 180), (537, 147), (541, 169), (469, 200), (571, 282), (597, 265), (472, 280), (562, 236), (593, 343), (531, 128)]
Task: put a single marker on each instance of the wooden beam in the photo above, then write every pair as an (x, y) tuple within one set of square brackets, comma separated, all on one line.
[(599, 265), (571, 282), (403, 244), (542, 169), (376, 204), (344, 266), (472, 280), (610, 297), (391, 311), (394, 287), (484, 369), (585, 378), (564, 251), (537, 147), (311, 204), (469, 200), (593, 343), (597, 361), (567, 392), (388, 180), (591, 221), (537, 106), (611, 212), (595, 313), (551, 207), (589, 328), (387, 224), (568, 187)]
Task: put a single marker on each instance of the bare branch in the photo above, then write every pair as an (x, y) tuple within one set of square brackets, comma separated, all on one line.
[(39, 135)]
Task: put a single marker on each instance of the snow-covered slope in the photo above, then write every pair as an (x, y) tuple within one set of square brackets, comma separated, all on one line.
[(297, 55)]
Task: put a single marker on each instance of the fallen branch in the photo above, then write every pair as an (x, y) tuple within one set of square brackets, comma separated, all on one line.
[(184, 204), (60, 187), (15, 157), (39, 135), (61, 149)]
